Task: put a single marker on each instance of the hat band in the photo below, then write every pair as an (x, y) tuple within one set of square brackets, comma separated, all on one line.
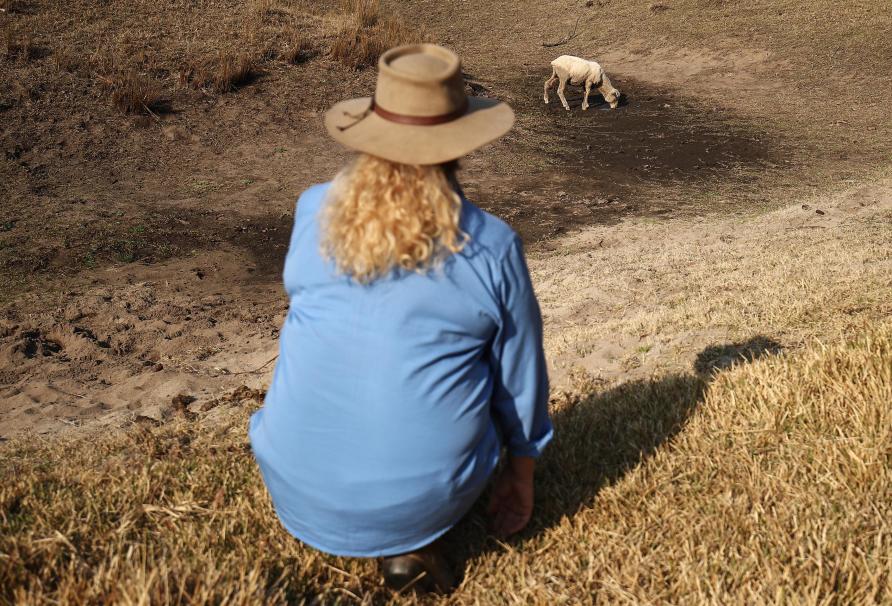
[(420, 120)]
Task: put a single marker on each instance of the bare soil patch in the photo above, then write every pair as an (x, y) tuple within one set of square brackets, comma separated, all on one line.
[(196, 201), (575, 168), (130, 341)]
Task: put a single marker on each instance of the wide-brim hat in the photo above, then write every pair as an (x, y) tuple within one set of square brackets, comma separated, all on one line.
[(420, 113)]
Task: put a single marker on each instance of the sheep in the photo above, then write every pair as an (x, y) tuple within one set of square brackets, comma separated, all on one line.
[(578, 71)]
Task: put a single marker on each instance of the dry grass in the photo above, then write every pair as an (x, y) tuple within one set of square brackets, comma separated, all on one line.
[(67, 61), (772, 483), (298, 49), (217, 47), (367, 34), (358, 47), (133, 93), (261, 8), (223, 49), (226, 72), (19, 46), (778, 489), (364, 12)]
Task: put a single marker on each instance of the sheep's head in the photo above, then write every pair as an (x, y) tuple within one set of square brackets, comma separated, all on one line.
[(613, 98)]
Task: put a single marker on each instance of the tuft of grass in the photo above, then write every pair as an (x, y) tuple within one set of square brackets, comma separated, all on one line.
[(367, 33), (68, 61), (261, 8), (226, 72), (365, 13), (352, 48), (359, 47), (299, 49), (233, 71), (133, 93), (19, 46)]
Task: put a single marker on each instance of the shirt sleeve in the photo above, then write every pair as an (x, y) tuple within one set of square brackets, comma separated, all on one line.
[(520, 395)]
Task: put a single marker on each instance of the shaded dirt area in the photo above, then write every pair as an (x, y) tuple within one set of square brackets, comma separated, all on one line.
[(87, 190), (575, 168), (90, 190)]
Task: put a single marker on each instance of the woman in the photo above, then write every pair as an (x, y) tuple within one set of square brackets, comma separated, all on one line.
[(412, 350)]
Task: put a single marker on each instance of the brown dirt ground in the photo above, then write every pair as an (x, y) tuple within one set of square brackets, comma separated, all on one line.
[(140, 254)]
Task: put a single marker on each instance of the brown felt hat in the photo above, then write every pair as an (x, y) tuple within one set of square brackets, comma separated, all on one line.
[(420, 113)]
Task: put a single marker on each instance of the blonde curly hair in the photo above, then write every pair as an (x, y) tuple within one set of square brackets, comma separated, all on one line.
[(381, 215)]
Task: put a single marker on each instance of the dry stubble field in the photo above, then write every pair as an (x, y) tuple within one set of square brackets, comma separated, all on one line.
[(713, 262)]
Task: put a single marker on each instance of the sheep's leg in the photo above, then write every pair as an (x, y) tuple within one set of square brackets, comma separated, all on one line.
[(561, 87), (549, 83), (588, 88)]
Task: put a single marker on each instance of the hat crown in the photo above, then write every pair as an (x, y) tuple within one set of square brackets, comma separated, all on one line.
[(420, 80)]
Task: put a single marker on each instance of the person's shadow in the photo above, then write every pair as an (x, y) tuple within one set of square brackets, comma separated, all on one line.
[(602, 435)]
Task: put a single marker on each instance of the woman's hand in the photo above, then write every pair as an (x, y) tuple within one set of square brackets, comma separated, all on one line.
[(511, 504)]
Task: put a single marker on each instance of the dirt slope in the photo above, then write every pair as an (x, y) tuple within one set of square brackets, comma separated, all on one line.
[(140, 254)]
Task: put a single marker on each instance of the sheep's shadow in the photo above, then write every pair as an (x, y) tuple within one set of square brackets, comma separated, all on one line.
[(601, 436)]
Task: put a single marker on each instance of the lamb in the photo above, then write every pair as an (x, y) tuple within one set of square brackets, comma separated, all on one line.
[(579, 70)]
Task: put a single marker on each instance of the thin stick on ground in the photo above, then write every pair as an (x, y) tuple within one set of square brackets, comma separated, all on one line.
[(259, 368), (566, 38)]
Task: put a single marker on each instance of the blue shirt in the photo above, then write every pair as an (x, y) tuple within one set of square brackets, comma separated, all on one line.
[(390, 401)]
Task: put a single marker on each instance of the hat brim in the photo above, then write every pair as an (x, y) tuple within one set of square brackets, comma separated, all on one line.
[(484, 121)]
